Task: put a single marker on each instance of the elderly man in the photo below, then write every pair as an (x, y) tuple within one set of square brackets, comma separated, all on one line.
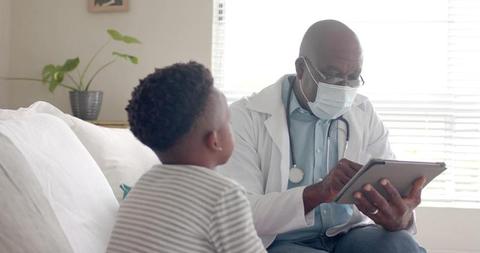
[(300, 140)]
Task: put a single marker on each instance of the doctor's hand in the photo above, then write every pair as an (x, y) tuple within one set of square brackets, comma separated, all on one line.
[(326, 190), (393, 212)]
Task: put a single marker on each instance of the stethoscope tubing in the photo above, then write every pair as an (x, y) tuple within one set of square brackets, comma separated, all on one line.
[(347, 137)]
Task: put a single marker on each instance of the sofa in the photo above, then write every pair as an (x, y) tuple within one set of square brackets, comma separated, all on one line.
[(60, 179)]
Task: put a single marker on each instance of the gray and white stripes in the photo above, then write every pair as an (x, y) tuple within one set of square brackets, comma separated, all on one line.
[(180, 208)]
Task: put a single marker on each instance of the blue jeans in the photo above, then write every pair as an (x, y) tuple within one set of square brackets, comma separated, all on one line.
[(371, 239)]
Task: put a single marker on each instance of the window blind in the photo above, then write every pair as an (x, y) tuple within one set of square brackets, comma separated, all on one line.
[(218, 38), (420, 68)]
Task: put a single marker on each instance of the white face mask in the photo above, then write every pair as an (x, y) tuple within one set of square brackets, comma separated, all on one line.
[(332, 101)]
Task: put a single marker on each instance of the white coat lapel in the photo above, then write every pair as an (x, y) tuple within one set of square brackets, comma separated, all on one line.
[(354, 118), (279, 136), (269, 101), (342, 137)]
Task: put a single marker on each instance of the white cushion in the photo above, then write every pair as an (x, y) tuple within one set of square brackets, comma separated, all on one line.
[(27, 220), (11, 114), (122, 158), (48, 108), (66, 177)]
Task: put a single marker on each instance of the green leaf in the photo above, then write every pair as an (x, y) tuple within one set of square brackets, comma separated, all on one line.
[(130, 58), (123, 38), (115, 34), (47, 72), (52, 85), (58, 76), (55, 79), (130, 40), (70, 64), (133, 59)]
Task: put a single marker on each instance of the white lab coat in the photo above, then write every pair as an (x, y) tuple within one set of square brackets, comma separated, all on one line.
[(261, 159)]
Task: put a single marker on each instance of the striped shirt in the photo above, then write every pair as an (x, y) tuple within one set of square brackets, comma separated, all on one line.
[(183, 208)]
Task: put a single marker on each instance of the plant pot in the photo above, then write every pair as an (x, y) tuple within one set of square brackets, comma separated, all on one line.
[(86, 105)]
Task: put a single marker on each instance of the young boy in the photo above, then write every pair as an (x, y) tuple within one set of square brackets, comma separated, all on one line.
[(183, 205)]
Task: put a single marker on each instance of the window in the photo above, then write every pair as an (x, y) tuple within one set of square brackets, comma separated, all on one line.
[(420, 60)]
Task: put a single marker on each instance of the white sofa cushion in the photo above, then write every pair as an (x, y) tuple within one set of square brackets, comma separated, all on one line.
[(67, 177), (27, 220), (12, 114), (122, 158)]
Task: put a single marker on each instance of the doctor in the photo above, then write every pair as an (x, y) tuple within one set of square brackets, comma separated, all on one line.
[(301, 139)]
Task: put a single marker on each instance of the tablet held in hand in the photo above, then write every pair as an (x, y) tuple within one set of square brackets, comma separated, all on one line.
[(401, 174)]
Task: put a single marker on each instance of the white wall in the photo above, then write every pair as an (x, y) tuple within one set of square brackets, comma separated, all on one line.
[(448, 230), (49, 31), (5, 10)]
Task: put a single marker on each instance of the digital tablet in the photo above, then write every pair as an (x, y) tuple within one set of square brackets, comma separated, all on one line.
[(401, 174)]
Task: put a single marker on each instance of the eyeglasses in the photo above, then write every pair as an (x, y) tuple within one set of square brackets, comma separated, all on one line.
[(335, 80)]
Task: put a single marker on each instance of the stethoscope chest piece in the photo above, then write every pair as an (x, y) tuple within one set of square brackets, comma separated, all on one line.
[(296, 175)]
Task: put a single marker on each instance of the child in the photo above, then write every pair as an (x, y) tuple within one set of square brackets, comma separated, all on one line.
[(183, 205)]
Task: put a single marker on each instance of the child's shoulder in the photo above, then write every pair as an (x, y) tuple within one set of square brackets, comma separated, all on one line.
[(200, 175), (228, 183), (217, 179)]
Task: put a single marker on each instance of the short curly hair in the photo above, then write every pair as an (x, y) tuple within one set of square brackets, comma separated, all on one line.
[(166, 104)]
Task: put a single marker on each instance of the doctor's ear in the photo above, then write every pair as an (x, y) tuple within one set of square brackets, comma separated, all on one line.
[(213, 142), (299, 67)]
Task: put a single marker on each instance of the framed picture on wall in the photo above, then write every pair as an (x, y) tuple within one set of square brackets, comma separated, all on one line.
[(107, 5)]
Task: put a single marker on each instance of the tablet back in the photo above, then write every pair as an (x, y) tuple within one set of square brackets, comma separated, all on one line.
[(401, 174)]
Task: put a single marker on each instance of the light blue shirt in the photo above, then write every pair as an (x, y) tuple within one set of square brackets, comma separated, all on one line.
[(309, 139)]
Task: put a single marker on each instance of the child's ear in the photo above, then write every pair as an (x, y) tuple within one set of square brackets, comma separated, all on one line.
[(213, 142)]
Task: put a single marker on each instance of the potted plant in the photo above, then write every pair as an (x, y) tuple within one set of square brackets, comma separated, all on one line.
[(85, 103)]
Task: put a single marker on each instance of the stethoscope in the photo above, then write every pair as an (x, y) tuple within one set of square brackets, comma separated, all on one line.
[(296, 174)]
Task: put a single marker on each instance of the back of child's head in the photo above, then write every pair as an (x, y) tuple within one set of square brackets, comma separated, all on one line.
[(170, 102)]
